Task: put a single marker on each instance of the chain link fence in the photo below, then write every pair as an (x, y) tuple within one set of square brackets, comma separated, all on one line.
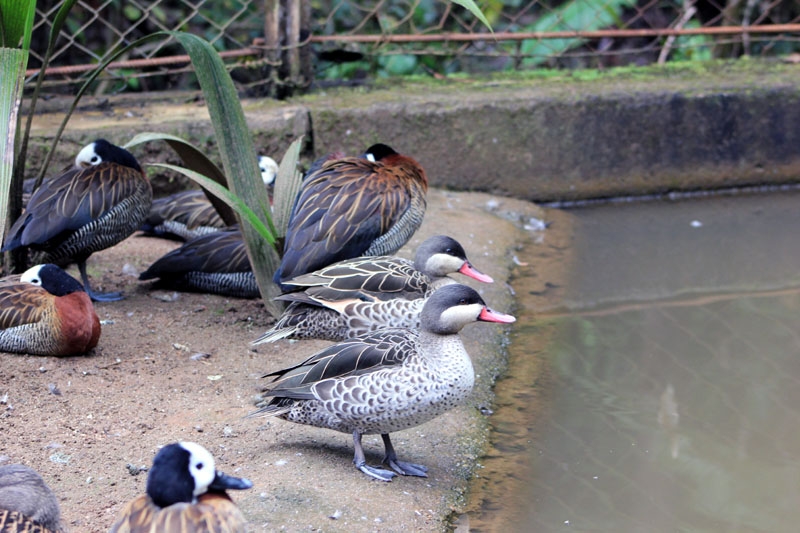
[(347, 41)]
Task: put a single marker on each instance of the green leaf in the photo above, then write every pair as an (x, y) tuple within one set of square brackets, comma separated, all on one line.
[(238, 155), (287, 186), (473, 8), (55, 30), (12, 75), (16, 23), (194, 159)]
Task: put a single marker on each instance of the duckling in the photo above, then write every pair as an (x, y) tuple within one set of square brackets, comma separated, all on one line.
[(47, 313), (351, 207), (186, 215), (385, 381), (216, 263), (356, 296), (27, 505), (90, 207), (185, 494)]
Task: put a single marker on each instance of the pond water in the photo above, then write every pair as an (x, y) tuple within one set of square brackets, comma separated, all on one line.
[(663, 394)]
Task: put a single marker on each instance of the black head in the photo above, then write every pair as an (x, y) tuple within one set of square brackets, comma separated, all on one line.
[(185, 470), (438, 244), (451, 308), (170, 480), (51, 278), (454, 306), (376, 152), (101, 151)]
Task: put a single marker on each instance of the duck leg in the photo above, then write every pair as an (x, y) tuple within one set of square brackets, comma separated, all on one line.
[(361, 462), (96, 296), (403, 468)]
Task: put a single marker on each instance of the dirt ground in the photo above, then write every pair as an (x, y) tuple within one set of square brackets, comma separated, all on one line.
[(178, 366)]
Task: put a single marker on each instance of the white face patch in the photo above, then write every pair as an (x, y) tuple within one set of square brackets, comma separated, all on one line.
[(269, 169), (32, 276), (458, 316), (201, 466), (87, 157), (443, 264), (370, 158)]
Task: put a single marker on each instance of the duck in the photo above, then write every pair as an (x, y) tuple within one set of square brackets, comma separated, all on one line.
[(99, 202), (385, 381), (356, 296), (216, 263), (47, 312), (27, 504), (353, 206), (185, 494), (188, 214)]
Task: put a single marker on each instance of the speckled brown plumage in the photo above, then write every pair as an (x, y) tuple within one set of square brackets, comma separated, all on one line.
[(351, 207), (385, 381), (354, 297), (216, 263), (53, 317), (90, 207)]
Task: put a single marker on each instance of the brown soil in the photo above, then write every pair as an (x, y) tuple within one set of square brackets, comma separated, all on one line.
[(88, 424)]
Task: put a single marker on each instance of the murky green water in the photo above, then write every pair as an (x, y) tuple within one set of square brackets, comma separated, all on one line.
[(670, 399)]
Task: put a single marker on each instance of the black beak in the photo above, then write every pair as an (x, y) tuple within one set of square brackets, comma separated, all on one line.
[(224, 482)]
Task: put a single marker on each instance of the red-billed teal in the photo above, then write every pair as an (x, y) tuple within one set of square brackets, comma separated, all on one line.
[(385, 381), (356, 296)]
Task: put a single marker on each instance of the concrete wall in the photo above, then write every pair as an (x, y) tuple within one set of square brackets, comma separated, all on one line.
[(563, 136)]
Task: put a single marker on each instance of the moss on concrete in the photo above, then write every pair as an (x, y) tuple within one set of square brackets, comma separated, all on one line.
[(539, 135)]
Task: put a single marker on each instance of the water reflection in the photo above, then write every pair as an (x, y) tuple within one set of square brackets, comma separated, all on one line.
[(673, 397)]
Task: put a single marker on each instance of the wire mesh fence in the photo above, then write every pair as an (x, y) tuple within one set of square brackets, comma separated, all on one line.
[(351, 40)]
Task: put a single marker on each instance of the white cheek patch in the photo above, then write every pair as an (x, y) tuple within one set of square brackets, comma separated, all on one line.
[(201, 466), (32, 276), (444, 264), (460, 315), (370, 158)]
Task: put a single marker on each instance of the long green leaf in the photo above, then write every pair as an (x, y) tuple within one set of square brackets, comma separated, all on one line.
[(55, 30), (238, 155), (194, 159), (16, 23), (12, 75)]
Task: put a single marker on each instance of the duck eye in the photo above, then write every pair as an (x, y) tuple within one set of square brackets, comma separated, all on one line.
[(462, 301), (95, 160), (199, 466)]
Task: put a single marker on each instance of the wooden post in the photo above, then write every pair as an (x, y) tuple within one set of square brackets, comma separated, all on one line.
[(286, 30)]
